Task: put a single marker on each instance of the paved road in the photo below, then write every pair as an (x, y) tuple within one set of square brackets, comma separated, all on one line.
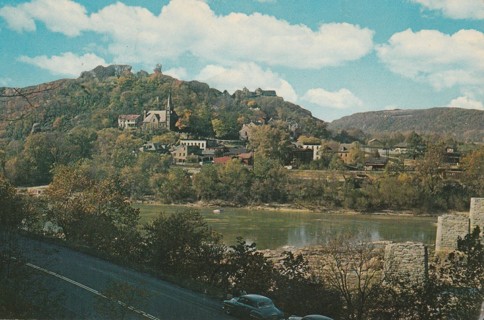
[(81, 279)]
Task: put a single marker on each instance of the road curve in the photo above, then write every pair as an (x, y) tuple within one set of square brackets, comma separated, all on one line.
[(80, 279)]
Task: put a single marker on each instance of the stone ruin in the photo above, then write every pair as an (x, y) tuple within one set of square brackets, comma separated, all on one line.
[(410, 259)]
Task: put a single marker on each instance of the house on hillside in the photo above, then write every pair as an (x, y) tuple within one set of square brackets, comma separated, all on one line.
[(315, 148), (201, 143), (246, 158), (399, 148), (223, 160), (244, 133), (375, 164), (344, 152), (160, 119), (183, 154), (451, 156), (129, 121)]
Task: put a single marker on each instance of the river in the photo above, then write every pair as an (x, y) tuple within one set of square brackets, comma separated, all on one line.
[(275, 229)]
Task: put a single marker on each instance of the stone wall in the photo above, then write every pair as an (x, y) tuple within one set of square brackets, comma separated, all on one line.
[(449, 228), (452, 226), (476, 213), (406, 261)]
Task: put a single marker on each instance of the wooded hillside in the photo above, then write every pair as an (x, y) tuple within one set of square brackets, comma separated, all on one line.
[(98, 97), (460, 124)]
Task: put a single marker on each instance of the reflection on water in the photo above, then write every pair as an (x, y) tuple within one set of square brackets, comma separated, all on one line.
[(271, 230)]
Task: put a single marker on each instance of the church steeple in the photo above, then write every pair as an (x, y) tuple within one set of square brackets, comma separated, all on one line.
[(169, 103), (169, 111)]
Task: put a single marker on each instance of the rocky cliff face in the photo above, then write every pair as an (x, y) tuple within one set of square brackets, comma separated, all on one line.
[(101, 72)]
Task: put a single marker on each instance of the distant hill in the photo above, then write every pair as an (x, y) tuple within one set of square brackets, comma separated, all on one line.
[(461, 124), (99, 96)]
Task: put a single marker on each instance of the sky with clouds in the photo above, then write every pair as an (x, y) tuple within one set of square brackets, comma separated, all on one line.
[(332, 57)]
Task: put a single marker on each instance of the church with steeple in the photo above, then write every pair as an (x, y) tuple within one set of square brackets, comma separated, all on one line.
[(162, 118)]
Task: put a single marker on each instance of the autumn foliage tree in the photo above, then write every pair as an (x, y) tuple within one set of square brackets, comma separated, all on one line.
[(93, 213)]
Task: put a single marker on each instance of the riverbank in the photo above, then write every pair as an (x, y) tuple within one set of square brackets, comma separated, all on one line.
[(287, 207)]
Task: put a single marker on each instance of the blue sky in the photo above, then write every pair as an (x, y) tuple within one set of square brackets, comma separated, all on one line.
[(332, 57)]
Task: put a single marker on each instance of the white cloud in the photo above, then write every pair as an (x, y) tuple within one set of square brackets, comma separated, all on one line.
[(177, 73), (62, 16), (466, 103), (456, 9), (247, 75), (17, 19), (341, 99), (190, 27), (67, 64), (442, 60)]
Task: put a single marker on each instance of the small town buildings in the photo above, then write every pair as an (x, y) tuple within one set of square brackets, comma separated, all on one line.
[(160, 119), (182, 154), (375, 164), (201, 143), (223, 160), (245, 158), (315, 148), (129, 121), (400, 148), (151, 120), (451, 156), (344, 152)]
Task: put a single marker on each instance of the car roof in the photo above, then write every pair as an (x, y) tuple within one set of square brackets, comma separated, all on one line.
[(315, 317), (256, 297)]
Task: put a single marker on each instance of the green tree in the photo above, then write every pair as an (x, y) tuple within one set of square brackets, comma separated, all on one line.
[(177, 243), (94, 213), (248, 269), (174, 186), (226, 126), (84, 139), (270, 142), (294, 278), (200, 122), (22, 296), (207, 184), (473, 165), (416, 145), (237, 180), (270, 181), (126, 150)]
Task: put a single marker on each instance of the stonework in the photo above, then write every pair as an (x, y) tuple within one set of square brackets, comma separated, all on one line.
[(452, 226), (476, 213), (449, 228), (407, 261)]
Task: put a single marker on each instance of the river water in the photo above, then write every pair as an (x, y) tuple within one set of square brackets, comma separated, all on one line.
[(275, 229)]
